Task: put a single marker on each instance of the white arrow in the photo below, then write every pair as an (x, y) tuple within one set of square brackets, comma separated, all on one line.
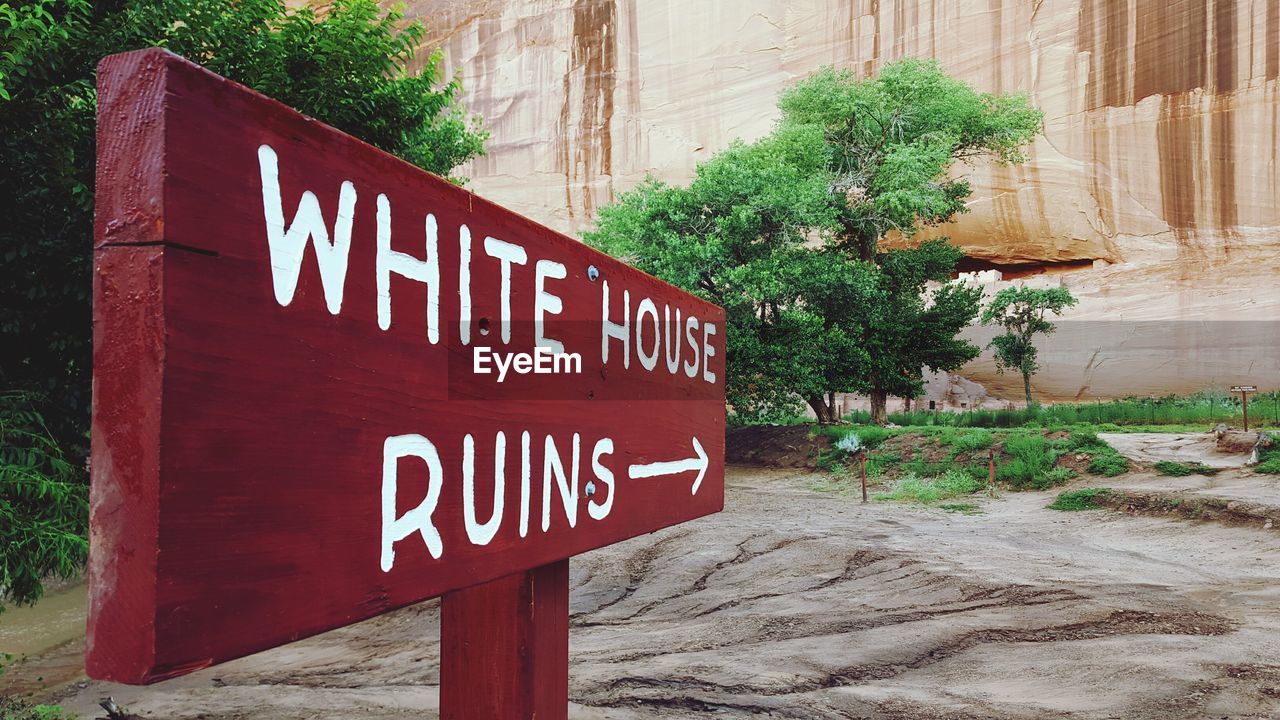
[(672, 467)]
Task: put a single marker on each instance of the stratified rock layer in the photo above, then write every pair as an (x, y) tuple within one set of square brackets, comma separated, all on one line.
[(1151, 194)]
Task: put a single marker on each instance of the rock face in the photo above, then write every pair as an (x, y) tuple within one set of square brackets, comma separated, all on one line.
[(1151, 193)]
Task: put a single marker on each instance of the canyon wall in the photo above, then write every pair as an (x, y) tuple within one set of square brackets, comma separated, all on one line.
[(1151, 193)]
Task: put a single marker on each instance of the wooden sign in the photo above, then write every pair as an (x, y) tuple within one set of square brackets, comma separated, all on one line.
[(1244, 388), (329, 384)]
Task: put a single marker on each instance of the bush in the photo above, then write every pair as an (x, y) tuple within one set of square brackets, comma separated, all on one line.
[(345, 64), (44, 505), (1082, 499), (1109, 464)]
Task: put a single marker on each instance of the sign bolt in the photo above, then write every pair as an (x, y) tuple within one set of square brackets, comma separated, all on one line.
[(590, 489), (593, 272)]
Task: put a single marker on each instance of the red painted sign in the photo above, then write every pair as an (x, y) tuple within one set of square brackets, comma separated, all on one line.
[(329, 384)]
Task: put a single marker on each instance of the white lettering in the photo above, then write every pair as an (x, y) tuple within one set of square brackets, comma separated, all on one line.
[(424, 271), (287, 246), (506, 253), (481, 534), (544, 303), (600, 511), (464, 285), (418, 519), (614, 330), (649, 361), (551, 465), (672, 338), (708, 351), (690, 326)]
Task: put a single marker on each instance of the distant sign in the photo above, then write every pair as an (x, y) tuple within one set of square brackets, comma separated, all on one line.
[(329, 384), (1244, 388)]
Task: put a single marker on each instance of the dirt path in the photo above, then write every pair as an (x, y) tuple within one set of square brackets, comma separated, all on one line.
[(795, 604)]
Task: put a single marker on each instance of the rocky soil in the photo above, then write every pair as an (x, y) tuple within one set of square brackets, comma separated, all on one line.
[(799, 604)]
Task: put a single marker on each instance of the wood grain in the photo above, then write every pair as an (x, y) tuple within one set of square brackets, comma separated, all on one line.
[(238, 442)]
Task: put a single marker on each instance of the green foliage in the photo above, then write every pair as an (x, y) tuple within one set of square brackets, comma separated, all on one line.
[(44, 505), (1022, 312), (894, 138), (872, 436), (971, 442), (1177, 469), (1269, 457), (345, 65), (1076, 500), (1270, 466), (1085, 440), (783, 233), (1109, 464), (1181, 413), (13, 708), (913, 488), (1031, 465)]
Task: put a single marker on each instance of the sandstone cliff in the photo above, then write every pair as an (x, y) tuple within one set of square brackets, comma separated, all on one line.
[(1151, 194)]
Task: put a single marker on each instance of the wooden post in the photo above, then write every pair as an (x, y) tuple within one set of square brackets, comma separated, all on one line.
[(504, 647), (1244, 397), (991, 470), (862, 461)]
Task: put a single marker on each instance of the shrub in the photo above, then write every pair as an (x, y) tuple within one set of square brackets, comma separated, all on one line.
[(1271, 467), (1109, 464), (44, 505), (1082, 499)]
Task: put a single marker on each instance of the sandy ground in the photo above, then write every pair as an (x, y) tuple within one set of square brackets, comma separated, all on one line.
[(798, 604), (1178, 447)]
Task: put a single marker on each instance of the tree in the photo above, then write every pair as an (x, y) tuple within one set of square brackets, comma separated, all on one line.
[(785, 234), (1022, 312), (740, 236), (345, 65), (892, 142)]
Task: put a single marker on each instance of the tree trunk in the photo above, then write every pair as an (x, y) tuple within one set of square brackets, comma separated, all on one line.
[(1026, 386), (831, 407), (879, 398), (819, 405)]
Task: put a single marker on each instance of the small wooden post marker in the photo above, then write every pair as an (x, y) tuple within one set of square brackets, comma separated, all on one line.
[(1244, 391)]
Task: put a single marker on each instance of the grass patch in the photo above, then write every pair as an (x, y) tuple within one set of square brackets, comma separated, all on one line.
[(1109, 464), (969, 442), (1269, 457), (963, 508), (12, 708), (1177, 469), (1031, 463), (913, 488), (1076, 500)]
